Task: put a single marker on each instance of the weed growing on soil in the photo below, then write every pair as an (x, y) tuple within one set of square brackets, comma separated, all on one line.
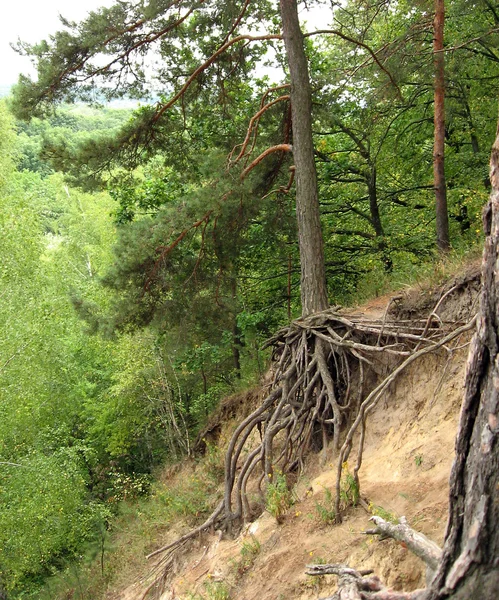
[(216, 590), (249, 551), (278, 498), (349, 492), (379, 511), (325, 511), (213, 590)]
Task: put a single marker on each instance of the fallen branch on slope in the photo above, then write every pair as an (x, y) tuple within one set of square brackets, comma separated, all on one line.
[(425, 549)]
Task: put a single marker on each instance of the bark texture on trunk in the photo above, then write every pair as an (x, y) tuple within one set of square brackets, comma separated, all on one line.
[(313, 273), (372, 187), (470, 562), (442, 219)]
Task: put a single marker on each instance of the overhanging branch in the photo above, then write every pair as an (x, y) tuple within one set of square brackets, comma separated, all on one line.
[(347, 38), (249, 38)]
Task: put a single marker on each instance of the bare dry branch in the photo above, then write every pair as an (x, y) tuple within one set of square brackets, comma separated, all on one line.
[(249, 38), (253, 121), (258, 159)]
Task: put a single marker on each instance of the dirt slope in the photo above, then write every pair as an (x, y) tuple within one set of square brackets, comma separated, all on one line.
[(407, 460)]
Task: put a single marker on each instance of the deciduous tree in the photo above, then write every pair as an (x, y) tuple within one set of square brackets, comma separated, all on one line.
[(442, 220)]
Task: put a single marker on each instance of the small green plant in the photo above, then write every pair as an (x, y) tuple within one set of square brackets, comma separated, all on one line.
[(249, 551), (379, 511), (418, 459), (325, 510), (216, 590), (349, 488), (279, 498)]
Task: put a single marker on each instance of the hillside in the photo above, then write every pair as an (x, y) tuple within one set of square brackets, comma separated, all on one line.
[(407, 459)]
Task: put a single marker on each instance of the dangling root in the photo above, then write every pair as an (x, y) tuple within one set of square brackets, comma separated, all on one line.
[(372, 399), (360, 585), (319, 362)]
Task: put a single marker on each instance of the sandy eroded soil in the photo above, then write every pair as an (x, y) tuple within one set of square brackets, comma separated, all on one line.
[(407, 460)]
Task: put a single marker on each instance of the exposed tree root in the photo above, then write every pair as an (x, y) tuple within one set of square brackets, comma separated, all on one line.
[(372, 399), (360, 585), (322, 365)]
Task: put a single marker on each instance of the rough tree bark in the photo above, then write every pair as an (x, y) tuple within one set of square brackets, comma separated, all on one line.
[(442, 219), (313, 273)]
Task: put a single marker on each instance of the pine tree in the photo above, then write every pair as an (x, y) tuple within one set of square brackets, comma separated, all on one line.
[(204, 28)]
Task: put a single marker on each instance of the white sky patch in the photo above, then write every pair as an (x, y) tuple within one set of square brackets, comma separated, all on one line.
[(35, 20), (32, 21)]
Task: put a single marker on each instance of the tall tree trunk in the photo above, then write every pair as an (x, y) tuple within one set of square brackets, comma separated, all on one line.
[(236, 332), (470, 562), (372, 187), (313, 272), (442, 220)]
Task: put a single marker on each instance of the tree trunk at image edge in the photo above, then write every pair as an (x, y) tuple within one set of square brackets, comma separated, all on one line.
[(442, 219), (313, 273), (469, 568)]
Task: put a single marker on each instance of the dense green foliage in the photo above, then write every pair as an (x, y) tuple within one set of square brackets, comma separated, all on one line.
[(141, 273), (82, 419), (70, 128)]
